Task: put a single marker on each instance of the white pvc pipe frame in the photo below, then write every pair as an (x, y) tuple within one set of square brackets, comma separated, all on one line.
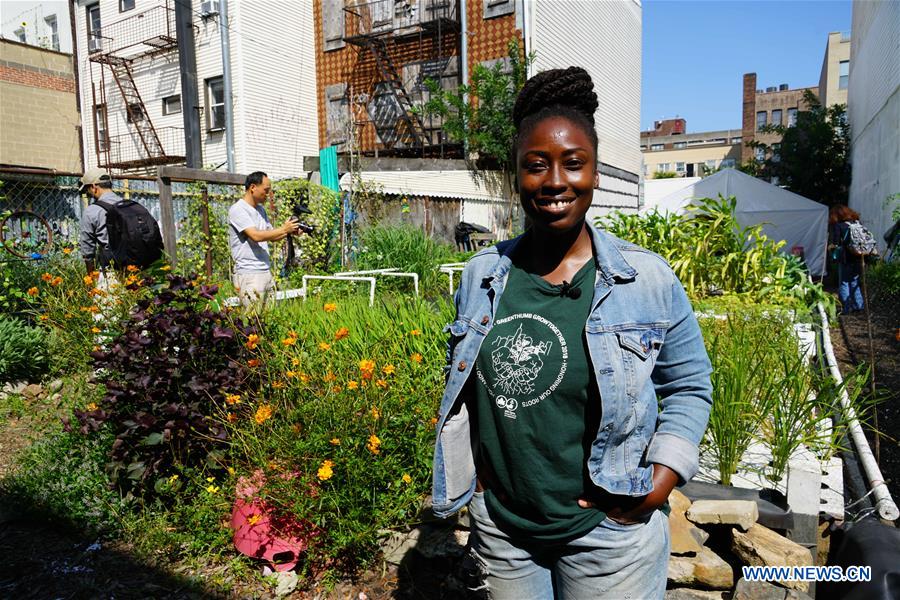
[(449, 269), (884, 504), (370, 280), (392, 272)]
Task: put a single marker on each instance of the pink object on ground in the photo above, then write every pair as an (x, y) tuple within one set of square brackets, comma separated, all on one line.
[(263, 539)]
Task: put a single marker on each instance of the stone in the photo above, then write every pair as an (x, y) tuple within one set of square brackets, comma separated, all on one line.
[(14, 387), (32, 391), (398, 544), (742, 513), (55, 385), (760, 546), (692, 594), (757, 590), (706, 569), (679, 502), (442, 542), (686, 538)]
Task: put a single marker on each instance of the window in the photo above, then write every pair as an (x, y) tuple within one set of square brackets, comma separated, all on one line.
[(125, 5), (792, 117), (760, 154), (171, 105), (215, 102), (656, 147), (53, 26), (135, 112), (760, 120), (776, 153), (727, 163), (776, 116), (845, 75), (643, 146), (678, 145), (20, 35), (710, 164), (497, 8), (332, 24), (679, 167), (737, 140), (93, 27), (101, 132), (662, 167)]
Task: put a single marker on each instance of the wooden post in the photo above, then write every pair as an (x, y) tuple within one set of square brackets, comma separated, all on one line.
[(167, 217), (207, 235)]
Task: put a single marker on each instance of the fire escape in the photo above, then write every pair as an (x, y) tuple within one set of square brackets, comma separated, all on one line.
[(382, 30), (120, 49)]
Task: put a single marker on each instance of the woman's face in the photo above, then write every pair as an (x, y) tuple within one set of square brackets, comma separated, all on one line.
[(556, 170)]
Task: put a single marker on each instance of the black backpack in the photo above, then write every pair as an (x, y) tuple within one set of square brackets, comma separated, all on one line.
[(134, 236)]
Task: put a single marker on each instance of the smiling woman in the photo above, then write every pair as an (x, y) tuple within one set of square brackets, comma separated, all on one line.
[(563, 340)]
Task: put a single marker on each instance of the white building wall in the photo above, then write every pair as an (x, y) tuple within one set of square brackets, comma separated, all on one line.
[(604, 37), (874, 113), (31, 16), (273, 84)]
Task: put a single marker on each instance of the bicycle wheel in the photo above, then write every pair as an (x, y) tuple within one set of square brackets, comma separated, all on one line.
[(26, 234)]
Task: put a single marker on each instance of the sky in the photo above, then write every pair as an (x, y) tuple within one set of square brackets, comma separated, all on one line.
[(695, 54)]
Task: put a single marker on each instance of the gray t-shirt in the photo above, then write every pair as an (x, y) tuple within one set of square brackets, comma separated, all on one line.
[(249, 256)]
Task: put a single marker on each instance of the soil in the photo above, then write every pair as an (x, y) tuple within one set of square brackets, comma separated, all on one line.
[(851, 347)]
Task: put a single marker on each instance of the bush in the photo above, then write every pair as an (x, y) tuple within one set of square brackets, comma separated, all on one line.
[(175, 362), (23, 351), (407, 249)]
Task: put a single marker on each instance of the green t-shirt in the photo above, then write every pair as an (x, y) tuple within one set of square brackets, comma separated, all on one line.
[(538, 407)]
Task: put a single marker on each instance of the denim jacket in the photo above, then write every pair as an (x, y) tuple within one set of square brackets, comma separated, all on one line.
[(644, 343)]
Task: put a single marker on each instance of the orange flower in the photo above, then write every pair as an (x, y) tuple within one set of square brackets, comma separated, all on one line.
[(329, 377), (416, 357), (304, 378), (263, 414), (67, 251), (335, 441), (366, 365), (374, 445), (323, 346), (388, 369), (278, 385), (132, 269), (291, 339), (290, 374), (253, 519), (415, 332), (92, 406), (330, 307), (253, 363), (336, 389), (434, 420), (324, 473), (406, 478), (95, 275), (352, 385), (132, 280), (56, 281), (44, 318), (232, 417), (32, 291), (88, 280), (376, 414), (47, 277), (233, 398), (93, 308), (252, 341), (381, 383), (341, 333), (95, 330)]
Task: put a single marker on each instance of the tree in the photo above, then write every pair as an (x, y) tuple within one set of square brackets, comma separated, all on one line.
[(813, 156)]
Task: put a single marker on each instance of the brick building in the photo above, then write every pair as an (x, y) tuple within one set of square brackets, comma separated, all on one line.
[(38, 112), (774, 105), (668, 148)]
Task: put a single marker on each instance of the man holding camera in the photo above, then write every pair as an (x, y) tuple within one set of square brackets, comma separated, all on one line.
[(249, 234)]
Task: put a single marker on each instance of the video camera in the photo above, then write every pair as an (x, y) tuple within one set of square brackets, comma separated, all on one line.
[(297, 215)]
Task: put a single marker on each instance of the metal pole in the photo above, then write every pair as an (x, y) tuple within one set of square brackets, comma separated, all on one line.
[(190, 102), (226, 80)]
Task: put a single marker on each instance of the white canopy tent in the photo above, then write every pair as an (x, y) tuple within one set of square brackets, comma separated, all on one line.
[(784, 215)]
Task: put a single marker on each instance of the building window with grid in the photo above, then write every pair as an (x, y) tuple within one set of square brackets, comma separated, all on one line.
[(760, 154), (100, 129), (776, 153), (679, 168), (776, 116), (20, 35), (844, 73), (171, 105), (662, 167), (792, 117), (679, 145), (760, 120), (215, 102), (53, 26), (125, 5), (95, 43), (656, 147)]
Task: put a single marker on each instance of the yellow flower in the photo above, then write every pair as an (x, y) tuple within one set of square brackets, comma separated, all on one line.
[(388, 369), (290, 340), (336, 389), (263, 414), (95, 275), (44, 318), (233, 399), (278, 385), (406, 478), (47, 277), (93, 308), (415, 332), (173, 478), (341, 333), (416, 357), (166, 268), (335, 441), (290, 374), (212, 489), (210, 479), (323, 346), (325, 471), (132, 280), (253, 519), (230, 470), (304, 378), (32, 291), (95, 330), (352, 385), (366, 365), (375, 413), (295, 362), (374, 444), (67, 251), (88, 280), (132, 269), (252, 341), (92, 406), (329, 377), (330, 307), (381, 383)]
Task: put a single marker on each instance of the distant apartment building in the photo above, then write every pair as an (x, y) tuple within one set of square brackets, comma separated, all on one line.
[(42, 24), (129, 70), (38, 112), (834, 80), (874, 114), (774, 105), (668, 148)]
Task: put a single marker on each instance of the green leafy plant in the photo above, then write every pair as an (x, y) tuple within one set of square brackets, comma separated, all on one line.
[(23, 351), (317, 250), (665, 175)]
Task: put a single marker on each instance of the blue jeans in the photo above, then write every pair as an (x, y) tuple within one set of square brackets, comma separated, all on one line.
[(611, 561), (849, 291)]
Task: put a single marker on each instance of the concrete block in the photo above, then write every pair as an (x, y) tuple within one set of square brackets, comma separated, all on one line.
[(742, 513)]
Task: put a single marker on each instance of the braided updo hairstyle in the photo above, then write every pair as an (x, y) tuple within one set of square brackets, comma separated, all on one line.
[(565, 93)]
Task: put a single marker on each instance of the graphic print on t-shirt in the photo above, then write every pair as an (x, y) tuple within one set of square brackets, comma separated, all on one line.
[(529, 357)]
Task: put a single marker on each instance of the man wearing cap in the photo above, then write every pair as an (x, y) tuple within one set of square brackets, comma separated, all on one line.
[(94, 240), (249, 234)]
